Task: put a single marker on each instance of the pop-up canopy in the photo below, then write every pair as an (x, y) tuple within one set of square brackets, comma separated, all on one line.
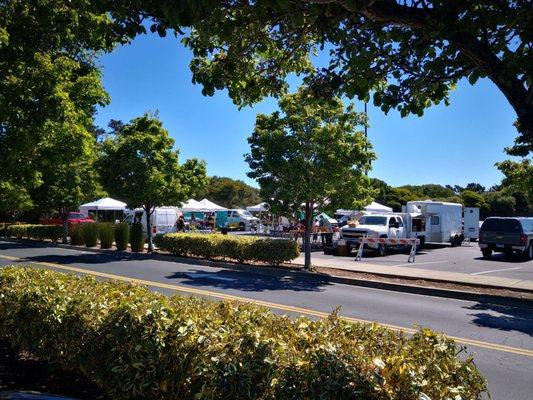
[(106, 209), (376, 207), (106, 203), (192, 205), (210, 206), (261, 207)]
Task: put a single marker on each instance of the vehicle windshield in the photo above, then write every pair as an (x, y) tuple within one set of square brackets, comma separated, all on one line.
[(76, 216), (373, 220), (246, 213), (501, 225)]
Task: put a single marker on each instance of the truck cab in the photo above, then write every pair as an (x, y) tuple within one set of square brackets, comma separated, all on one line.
[(390, 226), (243, 220)]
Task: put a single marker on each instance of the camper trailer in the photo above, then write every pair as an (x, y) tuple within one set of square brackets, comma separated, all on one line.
[(439, 222)]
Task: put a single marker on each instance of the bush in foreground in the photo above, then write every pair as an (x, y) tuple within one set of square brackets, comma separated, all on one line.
[(137, 344), (122, 236), (239, 248), (90, 234), (106, 234)]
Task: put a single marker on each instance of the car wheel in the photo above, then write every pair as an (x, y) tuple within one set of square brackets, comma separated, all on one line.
[(528, 254), (383, 250), (242, 227), (487, 253)]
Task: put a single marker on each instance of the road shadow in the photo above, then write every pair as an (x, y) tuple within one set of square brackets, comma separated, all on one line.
[(23, 244), (249, 282), (505, 317), (502, 258), (86, 258)]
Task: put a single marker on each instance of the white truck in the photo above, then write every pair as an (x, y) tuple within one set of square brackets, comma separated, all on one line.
[(163, 219), (429, 221)]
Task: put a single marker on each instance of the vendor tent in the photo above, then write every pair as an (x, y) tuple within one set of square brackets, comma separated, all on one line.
[(261, 207), (106, 209), (376, 207), (192, 205), (210, 206), (372, 207)]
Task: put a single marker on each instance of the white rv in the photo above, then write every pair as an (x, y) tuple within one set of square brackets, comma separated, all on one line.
[(163, 219)]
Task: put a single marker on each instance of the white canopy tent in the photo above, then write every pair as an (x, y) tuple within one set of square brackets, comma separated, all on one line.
[(210, 206), (376, 207), (106, 203), (192, 205), (372, 207), (106, 209), (261, 207)]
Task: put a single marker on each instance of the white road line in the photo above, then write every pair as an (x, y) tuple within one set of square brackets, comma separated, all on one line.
[(427, 262), (494, 270)]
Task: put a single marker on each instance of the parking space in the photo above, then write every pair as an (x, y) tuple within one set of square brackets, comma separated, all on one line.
[(466, 259)]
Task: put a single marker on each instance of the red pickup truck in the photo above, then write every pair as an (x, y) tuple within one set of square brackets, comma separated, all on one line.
[(73, 218)]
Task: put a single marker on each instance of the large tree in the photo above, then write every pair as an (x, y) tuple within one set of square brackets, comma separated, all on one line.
[(140, 166), (49, 87), (408, 53), (230, 193), (310, 153)]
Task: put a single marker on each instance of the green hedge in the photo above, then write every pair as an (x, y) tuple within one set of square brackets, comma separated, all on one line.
[(136, 237), (122, 235), (76, 235), (106, 234), (29, 231), (240, 248), (137, 344), (90, 234)]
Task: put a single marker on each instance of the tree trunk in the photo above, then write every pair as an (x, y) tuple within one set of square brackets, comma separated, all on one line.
[(307, 234), (64, 234), (149, 228)]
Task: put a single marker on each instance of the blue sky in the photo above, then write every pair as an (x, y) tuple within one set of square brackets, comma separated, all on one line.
[(448, 145)]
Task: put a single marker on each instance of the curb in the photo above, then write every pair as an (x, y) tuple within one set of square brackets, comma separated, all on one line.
[(298, 273)]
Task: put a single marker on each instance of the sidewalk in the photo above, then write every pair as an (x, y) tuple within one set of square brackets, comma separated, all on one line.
[(348, 264)]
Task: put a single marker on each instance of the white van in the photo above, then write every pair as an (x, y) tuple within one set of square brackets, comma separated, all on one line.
[(163, 219)]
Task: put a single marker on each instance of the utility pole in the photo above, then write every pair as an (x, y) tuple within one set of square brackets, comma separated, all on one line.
[(366, 130)]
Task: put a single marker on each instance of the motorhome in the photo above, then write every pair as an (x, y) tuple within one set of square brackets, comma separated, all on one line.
[(163, 219)]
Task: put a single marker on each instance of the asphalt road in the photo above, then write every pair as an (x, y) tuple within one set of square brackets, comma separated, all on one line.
[(466, 259), (499, 336)]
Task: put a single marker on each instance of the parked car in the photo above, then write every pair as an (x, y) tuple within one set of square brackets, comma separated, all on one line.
[(506, 235), (74, 217)]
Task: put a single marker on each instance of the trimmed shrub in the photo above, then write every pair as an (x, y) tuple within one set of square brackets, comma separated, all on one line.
[(39, 232), (105, 234), (136, 237), (122, 236), (76, 235), (136, 344), (240, 248), (90, 234)]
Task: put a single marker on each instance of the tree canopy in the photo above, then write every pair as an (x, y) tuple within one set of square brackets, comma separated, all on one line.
[(404, 54), (310, 153), (140, 166), (230, 193)]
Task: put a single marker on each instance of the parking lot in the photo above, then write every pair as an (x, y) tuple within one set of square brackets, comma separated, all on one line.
[(466, 259)]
